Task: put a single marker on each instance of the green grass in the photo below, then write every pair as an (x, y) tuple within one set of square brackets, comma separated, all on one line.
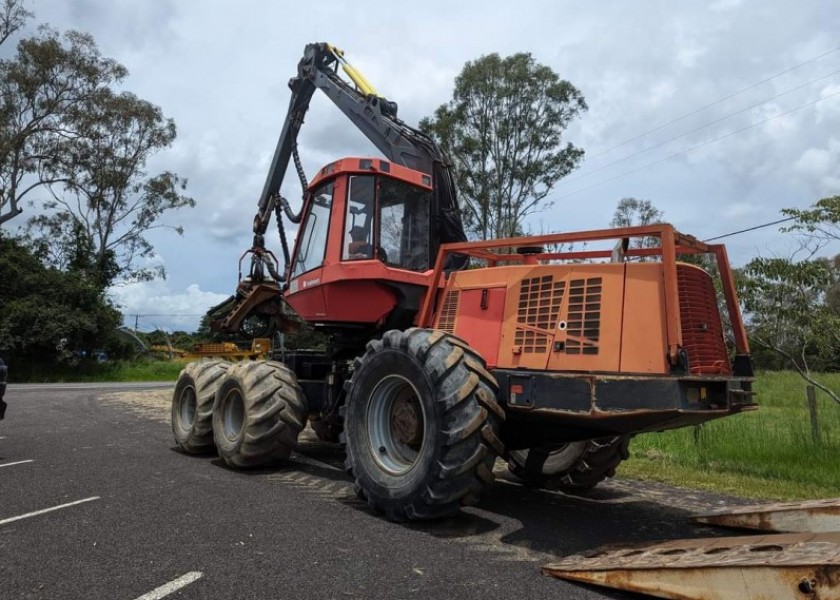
[(139, 370), (768, 453)]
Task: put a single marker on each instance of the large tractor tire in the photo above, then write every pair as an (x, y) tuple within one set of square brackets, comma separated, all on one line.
[(421, 425), (259, 412), (192, 405), (575, 466)]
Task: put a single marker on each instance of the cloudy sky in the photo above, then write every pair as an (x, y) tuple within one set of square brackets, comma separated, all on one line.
[(767, 134)]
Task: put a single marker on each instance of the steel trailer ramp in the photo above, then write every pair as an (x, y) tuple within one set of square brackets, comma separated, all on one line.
[(813, 515), (801, 566)]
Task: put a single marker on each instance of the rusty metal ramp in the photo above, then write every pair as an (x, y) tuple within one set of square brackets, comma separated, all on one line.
[(803, 566), (814, 516)]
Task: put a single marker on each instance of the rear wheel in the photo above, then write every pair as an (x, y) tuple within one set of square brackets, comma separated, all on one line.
[(192, 405), (421, 424), (574, 466), (259, 412)]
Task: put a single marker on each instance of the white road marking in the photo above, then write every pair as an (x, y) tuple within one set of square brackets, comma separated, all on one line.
[(172, 586), (311, 461), (20, 462), (2, 437), (46, 510)]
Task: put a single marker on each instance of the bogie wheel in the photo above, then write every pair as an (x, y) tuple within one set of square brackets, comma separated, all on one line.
[(192, 405), (575, 466), (259, 412), (421, 424)]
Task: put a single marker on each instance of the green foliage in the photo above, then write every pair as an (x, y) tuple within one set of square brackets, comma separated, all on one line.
[(13, 16), (784, 304), (50, 316), (44, 87), (821, 221), (107, 202), (769, 453), (631, 212), (142, 369), (504, 130), (63, 127)]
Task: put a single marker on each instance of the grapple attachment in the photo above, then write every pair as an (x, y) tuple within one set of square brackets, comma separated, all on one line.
[(258, 308)]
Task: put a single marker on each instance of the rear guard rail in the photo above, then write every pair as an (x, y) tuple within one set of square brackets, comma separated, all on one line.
[(673, 243)]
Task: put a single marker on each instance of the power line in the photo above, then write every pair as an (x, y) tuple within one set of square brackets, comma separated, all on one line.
[(698, 146), (763, 225), (165, 314), (704, 107), (696, 129)]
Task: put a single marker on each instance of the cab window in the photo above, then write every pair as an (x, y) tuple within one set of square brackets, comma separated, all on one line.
[(359, 221), (313, 240), (404, 224)]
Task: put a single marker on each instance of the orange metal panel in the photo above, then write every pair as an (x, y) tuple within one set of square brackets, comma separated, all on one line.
[(644, 347), (577, 306), (479, 320), (587, 336)]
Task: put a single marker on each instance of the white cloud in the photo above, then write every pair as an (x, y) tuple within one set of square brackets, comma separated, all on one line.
[(157, 305), (822, 166), (829, 108)]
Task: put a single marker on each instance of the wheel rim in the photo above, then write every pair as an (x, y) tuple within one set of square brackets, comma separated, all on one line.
[(233, 415), (396, 425), (186, 408)]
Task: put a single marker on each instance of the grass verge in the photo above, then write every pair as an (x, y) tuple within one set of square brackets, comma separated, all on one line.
[(766, 454), (139, 370)]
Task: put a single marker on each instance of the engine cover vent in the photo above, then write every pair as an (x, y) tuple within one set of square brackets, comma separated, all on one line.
[(702, 331), (540, 299), (448, 312), (584, 325)]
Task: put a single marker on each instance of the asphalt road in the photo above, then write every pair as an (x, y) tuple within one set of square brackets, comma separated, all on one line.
[(146, 516)]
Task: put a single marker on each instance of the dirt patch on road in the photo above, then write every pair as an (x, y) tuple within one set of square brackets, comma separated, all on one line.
[(152, 404)]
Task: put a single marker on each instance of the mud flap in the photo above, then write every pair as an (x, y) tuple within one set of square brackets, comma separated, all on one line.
[(796, 566)]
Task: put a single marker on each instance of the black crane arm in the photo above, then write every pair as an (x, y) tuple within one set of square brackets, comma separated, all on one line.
[(376, 117)]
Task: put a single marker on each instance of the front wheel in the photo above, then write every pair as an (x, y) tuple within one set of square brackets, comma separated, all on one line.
[(421, 424)]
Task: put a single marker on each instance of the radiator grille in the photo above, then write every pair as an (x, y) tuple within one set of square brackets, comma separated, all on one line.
[(702, 330), (448, 312), (539, 308), (584, 324)]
